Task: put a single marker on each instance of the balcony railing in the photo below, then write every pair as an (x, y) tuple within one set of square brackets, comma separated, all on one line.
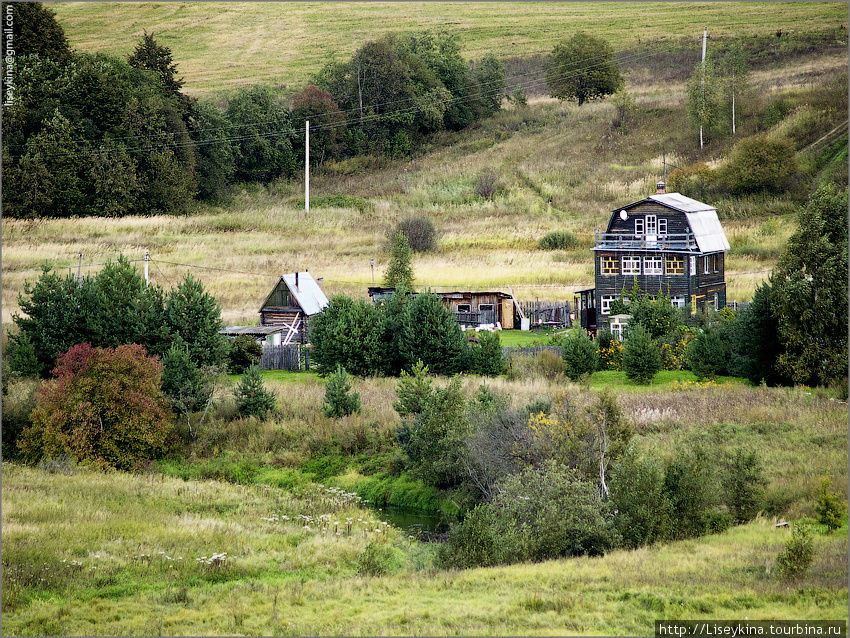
[(630, 241)]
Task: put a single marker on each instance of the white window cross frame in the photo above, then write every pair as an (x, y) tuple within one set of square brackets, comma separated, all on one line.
[(693, 265), (662, 226), (653, 265), (651, 225), (631, 265), (606, 301)]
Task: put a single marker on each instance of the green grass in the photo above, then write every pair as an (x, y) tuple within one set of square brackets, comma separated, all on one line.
[(222, 46), (280, 579), (664, 380), (519, 338)]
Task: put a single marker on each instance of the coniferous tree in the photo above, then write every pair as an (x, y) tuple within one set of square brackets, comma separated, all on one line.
[(399, 270), (340, 400), (183, 383), (641, 358), (195, 315), (36, 30), (157, 58), (252, 398), (810, 287), (432, 335)]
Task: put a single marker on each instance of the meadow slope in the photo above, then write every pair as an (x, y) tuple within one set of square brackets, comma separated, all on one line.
[(221, 46)]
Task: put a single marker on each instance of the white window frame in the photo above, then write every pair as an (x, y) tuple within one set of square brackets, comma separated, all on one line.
[(633, 267), (617, 331), (662, 227), (605, 303), (678, 301), (706, 269), (716, 301), (693, 265), (651, 225), (653, 265), (716, 264), (638, 226)]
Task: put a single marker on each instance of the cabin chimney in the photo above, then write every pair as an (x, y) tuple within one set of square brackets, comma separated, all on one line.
[(296, 279), (660, 188)]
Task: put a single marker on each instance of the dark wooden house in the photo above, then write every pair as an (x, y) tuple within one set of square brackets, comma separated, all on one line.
[(295, 298), (470, 308), (666, 243)]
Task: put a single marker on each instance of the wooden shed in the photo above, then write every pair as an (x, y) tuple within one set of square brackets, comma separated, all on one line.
[(470, 308), (295, 298)]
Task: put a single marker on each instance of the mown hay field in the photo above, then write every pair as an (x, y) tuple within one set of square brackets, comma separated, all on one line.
[(221, 46)]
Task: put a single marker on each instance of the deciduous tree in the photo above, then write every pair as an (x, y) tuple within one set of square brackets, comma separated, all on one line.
[(583, 68)]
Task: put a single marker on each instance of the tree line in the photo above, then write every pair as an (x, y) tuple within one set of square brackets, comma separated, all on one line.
[(94, 134)]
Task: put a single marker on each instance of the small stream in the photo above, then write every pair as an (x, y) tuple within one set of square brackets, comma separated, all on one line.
[(425, 526)]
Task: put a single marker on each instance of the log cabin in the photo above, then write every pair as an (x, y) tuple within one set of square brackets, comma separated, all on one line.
[(292, 302), (666, 243), (470, 308)]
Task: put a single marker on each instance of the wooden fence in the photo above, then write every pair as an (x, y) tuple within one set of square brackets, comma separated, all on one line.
[(287, 357), (547, 313)]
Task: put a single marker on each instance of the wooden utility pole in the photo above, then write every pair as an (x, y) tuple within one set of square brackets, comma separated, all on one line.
[(80, 269), (147, 262), (307, 166), (704, 37)]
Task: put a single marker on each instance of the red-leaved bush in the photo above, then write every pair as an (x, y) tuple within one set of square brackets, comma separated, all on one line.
[(104, 405)]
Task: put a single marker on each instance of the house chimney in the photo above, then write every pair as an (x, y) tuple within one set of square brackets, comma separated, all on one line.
[(660, 188), (296, 279)]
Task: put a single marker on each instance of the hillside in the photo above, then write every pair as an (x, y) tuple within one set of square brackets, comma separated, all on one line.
[(221, 46)]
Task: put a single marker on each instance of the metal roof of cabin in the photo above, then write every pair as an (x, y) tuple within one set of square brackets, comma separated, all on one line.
[(702, 218), (307, 294)]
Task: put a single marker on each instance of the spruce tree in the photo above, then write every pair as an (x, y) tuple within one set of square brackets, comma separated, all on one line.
[(157, 58), (339, 400), (195, 315), (641, 357), (252, 398), (432, 335), (399, 271)]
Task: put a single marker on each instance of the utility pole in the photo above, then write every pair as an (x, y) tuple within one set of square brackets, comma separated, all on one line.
[(664, 162), (147, 260), (704, 37), (372, 266), (307, 166), (79, 270)]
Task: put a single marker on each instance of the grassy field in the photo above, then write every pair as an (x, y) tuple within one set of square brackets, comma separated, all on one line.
[(116, 553), (221, 46)]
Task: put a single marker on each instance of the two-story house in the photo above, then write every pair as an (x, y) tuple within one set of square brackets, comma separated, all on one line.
[(666, 243)]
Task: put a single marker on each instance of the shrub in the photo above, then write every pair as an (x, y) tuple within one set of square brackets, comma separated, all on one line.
[(243, 352), (706, 355), (420, 233), (641, 358), (18, 404), (339, 400), (21, 355), (692, 494), (798, 553), (637, 493), (657, 315), (760, 164), (830, 507), (541, 513), (558, 240), (743, 486), (434, 440), (104, 405), (579, 354), (376, 559), (487, 184), (252, 398), (486, 358), (609, 351)]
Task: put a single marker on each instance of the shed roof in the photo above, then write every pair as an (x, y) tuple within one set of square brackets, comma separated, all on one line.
[(307, 294)]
